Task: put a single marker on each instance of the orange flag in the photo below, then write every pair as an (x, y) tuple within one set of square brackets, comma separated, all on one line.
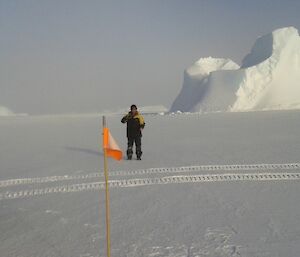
[(110, 145)]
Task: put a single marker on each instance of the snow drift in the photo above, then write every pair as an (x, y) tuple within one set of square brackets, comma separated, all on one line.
[(268, 78)]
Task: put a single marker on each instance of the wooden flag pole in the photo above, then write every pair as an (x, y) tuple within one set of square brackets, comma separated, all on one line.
[(106, 197)]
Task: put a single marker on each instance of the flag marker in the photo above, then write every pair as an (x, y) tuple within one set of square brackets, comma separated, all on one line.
[(110, 149)]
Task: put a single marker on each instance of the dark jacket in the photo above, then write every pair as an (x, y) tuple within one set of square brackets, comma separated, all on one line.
[(134, 124)]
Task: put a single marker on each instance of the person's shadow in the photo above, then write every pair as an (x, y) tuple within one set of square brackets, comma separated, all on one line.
[(84, 150)]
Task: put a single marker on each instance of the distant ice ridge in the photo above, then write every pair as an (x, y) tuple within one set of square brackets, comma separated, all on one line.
[(155, 109), (268, 79), (4, 111)]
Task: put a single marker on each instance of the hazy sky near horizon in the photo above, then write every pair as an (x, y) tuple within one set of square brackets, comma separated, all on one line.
[(62, 56)]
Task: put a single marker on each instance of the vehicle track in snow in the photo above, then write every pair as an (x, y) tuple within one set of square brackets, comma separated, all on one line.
[(232, 177), (166, 170)]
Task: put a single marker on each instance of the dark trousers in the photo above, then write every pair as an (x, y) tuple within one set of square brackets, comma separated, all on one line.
[(138, 146)]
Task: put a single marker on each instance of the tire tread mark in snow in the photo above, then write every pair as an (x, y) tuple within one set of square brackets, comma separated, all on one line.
[(152, 181), (234, 167)]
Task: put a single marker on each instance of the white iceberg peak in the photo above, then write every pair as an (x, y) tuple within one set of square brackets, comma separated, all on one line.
[(209, 64)]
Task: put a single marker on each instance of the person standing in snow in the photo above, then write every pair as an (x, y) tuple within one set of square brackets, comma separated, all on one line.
[(135, 125)]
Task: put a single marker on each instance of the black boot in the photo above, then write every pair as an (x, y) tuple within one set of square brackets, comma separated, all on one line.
[(139, 155), (129, 153)]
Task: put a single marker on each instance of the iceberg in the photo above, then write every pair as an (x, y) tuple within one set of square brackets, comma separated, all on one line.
[(268, 79)]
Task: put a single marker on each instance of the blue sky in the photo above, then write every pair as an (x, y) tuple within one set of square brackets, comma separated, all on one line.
[(60, 56)]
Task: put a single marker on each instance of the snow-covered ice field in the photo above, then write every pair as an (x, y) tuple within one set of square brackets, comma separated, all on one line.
[(52, 197)]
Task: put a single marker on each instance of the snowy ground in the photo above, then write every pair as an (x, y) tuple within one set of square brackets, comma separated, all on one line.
[(162, 213)]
